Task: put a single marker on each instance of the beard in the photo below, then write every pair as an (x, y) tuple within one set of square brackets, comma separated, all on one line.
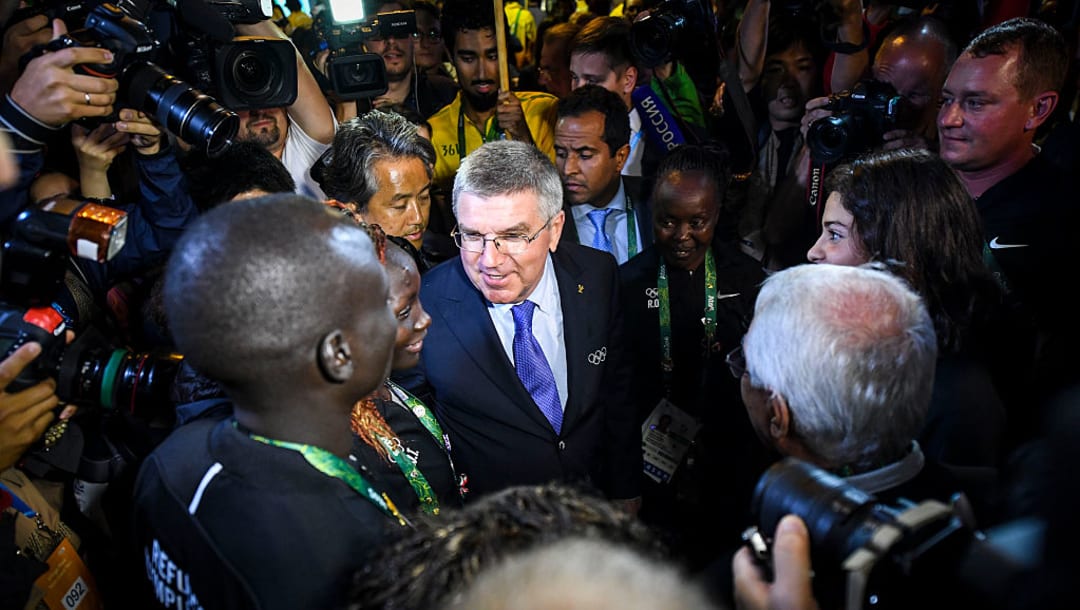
[(482, 102), (265, 136)]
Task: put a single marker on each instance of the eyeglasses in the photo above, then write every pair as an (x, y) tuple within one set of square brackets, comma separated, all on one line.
[(507, 244), (736, 361)]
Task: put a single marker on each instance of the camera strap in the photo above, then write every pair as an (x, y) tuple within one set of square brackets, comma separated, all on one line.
[(814, 186)]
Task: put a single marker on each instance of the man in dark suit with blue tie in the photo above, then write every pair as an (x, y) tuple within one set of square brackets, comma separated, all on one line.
[(525, 355), (604, 209)]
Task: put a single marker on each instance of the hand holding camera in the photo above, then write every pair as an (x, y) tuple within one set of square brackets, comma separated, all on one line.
[(790, 587), (24, 415), (19, 38), (51, 91)]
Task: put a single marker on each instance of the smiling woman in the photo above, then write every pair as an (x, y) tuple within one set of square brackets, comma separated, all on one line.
[(689, 299)]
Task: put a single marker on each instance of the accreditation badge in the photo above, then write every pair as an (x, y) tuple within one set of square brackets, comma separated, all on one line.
[(666, 438), (68, 584)]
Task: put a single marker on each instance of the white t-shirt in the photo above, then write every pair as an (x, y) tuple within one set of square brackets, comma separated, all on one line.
[(300, 153)]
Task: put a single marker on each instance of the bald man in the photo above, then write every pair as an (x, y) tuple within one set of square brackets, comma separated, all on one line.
[(265, 508)]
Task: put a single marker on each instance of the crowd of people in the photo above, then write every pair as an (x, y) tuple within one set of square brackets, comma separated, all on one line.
[(526, 326)]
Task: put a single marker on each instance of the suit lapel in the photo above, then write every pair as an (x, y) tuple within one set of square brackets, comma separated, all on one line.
[(569, 232), (465, 313), (576, 330)]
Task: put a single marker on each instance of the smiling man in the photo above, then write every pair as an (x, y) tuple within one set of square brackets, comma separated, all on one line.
[(1001, 89), (525, 353), (605, 209), (481, 112)]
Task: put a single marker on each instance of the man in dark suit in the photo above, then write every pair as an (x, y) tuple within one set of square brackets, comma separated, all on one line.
[(604, 209), (524, 356)]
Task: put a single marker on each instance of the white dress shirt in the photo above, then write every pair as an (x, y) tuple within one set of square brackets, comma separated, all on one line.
[(547, 326), (616, 225)]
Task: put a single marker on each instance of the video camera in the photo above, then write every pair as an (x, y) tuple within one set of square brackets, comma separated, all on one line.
[(355, 74), (861, 117), (870, 555), (90, 372), (244, 72)]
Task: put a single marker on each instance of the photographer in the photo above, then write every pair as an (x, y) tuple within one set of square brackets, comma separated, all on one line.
[(914, 58), (790, 589), (416, 89), (296, 134), (779, 60), (850, 391), (24, 415), (46, 96)]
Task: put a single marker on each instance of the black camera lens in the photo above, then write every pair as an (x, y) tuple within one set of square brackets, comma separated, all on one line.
[(189, 113), (253, 75), (358, 76), (654, 37), (832, 138), (839, 517), (97, 375)]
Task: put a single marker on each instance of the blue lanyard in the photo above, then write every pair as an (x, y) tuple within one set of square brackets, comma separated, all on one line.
[(18, 503)]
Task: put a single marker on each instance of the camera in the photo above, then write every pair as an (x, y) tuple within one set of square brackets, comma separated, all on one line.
[(243, 11), (68, 11), (866, 554), (355, 74), (861, 117), (89, 372), (254, 72), (669, 31), (186, 112)]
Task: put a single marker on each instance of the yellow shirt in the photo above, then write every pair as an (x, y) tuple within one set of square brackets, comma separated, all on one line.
[(539, 111), (522, 27)]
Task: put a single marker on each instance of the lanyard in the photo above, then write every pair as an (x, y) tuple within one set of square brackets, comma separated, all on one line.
[(333, 466), (667, 364), (18, 504), (493, 133), (428, 502), (631, 228)]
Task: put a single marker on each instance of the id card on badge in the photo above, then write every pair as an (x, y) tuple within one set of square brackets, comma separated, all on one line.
[(666, 437), (68, 584)]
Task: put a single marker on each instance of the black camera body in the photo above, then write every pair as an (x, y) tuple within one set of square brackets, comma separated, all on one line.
[(866, 554), (355, 74), (90, 372), (252, 72), (861, 117), (108, 27), (242, 11), (669, 31), (186, 112)]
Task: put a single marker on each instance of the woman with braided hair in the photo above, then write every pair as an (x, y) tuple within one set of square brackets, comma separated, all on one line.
[(398, 443)]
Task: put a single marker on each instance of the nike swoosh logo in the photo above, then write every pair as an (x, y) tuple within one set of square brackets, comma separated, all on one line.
[(994, 245)]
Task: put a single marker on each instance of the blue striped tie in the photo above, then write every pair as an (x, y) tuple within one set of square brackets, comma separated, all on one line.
[(600, 239)]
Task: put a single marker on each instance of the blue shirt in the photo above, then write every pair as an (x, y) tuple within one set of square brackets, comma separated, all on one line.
[(616, 225), (547, 326)]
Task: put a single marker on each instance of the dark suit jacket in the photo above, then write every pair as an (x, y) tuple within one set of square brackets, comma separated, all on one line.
[(642, 214), (498, 435)]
